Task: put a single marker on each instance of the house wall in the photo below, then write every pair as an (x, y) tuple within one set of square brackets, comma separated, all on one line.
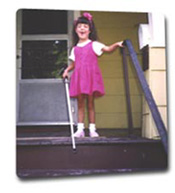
[(156, 78), (111, 108), (156, 74)]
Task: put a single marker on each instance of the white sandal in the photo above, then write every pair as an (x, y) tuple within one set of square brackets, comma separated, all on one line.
[(92, 130), (93, 134), (79, 133)]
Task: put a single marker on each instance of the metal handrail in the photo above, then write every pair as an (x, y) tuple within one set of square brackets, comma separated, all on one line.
[(147, 94)]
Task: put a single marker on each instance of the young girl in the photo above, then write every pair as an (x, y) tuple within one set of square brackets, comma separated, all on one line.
[(86, 80)]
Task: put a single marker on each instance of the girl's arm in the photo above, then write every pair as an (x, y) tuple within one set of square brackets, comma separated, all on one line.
[(69, 68), (112, 47)]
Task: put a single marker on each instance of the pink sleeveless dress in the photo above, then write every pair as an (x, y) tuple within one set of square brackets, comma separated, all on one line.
[(86, 78)]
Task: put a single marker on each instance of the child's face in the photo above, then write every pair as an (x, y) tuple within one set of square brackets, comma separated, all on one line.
[(83, 31)]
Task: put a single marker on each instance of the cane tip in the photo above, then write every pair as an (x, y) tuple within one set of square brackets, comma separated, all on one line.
[(74, 150)]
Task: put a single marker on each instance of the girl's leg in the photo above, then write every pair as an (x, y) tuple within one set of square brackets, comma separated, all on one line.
[(81, 108), (81, 112), (91, 109), (91, 114)]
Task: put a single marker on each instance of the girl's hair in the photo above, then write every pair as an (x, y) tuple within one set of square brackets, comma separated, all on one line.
[(93, 33)]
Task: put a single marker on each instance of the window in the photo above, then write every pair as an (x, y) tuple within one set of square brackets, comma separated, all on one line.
[(43, 59), (44, 22), (45, 41)]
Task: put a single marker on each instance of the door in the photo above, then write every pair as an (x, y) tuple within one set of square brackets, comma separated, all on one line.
[(43, 43)]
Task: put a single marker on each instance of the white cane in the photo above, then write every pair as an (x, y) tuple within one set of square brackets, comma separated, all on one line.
[(70, 113)]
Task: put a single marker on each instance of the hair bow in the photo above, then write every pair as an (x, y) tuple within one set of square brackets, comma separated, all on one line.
[(88, 16)]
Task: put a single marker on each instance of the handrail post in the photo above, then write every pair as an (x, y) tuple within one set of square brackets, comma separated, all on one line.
[(127, 91), (148, 95)]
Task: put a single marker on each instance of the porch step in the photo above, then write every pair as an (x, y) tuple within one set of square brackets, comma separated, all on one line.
[(53, 156)]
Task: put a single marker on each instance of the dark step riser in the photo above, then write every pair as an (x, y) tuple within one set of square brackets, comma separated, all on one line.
[(88, 157)]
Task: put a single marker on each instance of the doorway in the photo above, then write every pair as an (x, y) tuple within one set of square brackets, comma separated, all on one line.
[(43, 44)]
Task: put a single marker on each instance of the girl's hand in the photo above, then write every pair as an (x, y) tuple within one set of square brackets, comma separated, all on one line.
[(112, 47), (65, 74), (69, 68), (120, 44)]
